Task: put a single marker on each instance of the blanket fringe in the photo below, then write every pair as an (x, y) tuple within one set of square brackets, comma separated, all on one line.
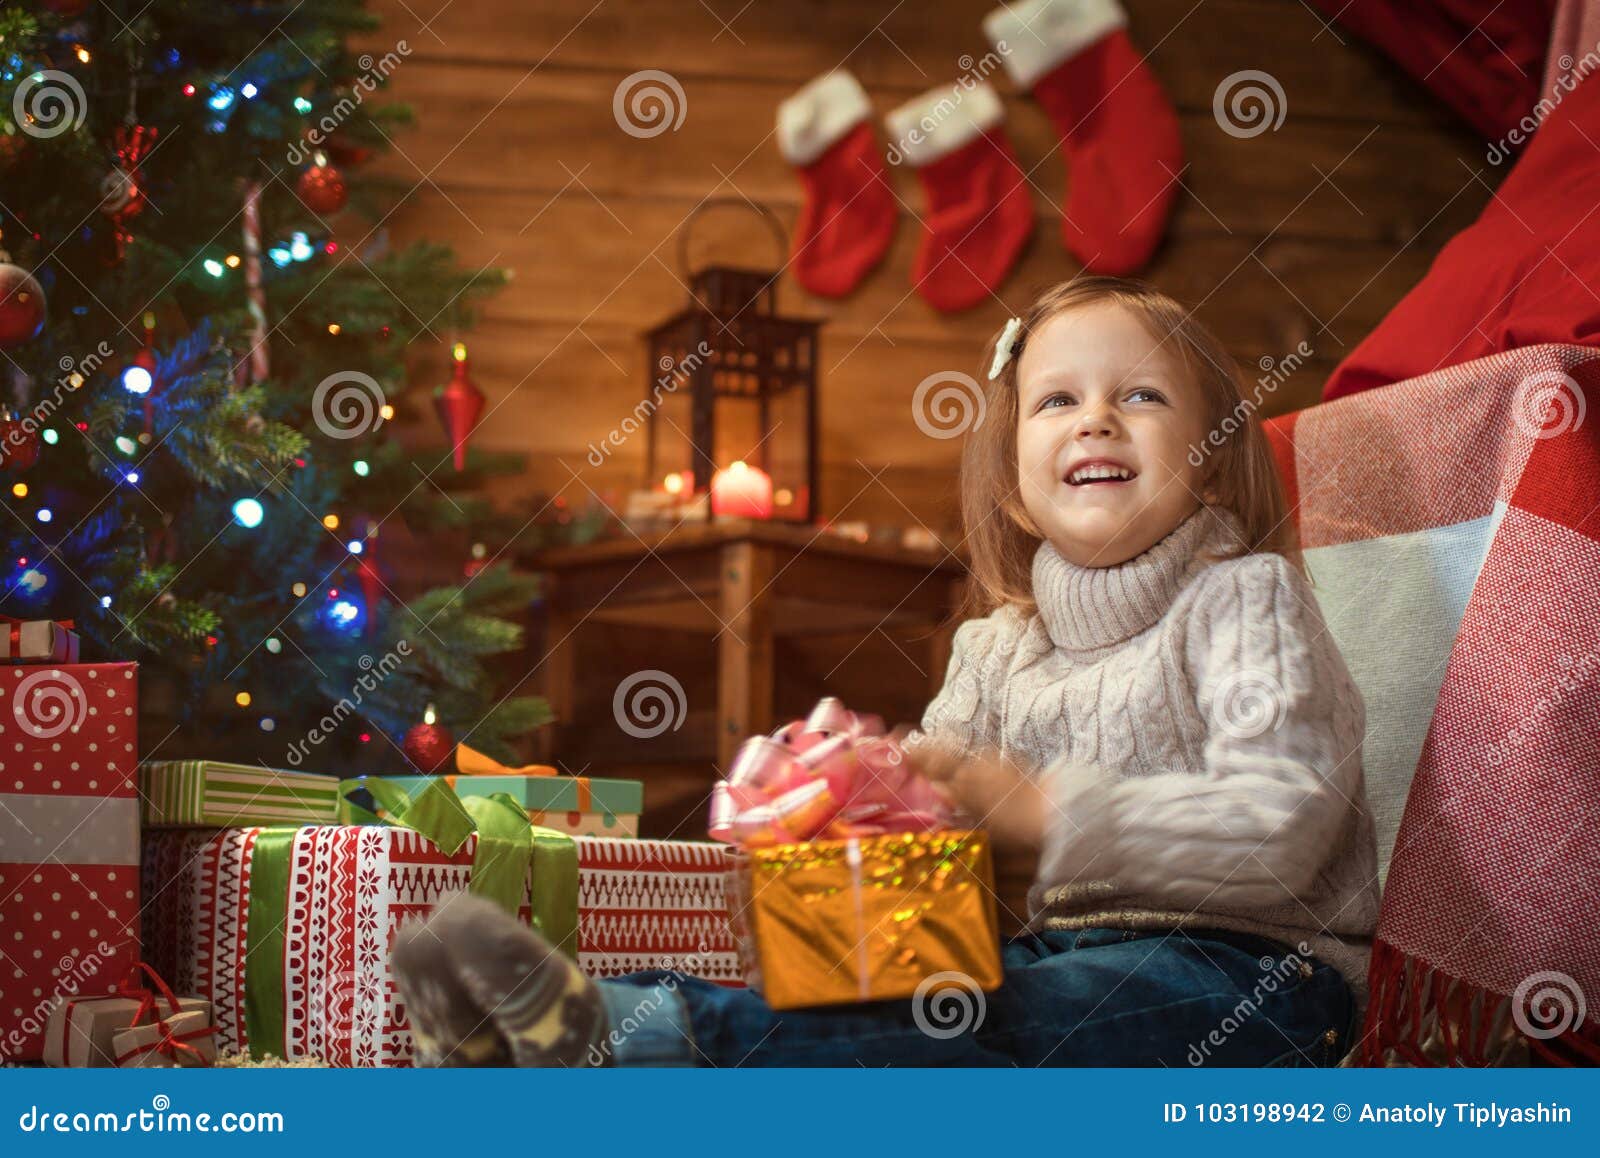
[(1421, 1016)]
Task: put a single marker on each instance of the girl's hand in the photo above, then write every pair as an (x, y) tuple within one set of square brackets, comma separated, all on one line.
[(992, 790)]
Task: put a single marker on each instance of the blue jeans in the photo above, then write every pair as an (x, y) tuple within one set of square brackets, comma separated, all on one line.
[(1107, 997)]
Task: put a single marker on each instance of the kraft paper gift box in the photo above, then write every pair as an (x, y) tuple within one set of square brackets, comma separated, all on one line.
[(288, 930), (216, 794), (69, 841), (37, 641), (82, 1031), (177, 1040)]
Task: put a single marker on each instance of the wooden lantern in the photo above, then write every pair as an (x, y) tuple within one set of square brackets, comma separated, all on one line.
[(732, 380)]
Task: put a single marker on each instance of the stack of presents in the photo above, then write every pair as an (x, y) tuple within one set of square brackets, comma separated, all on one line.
[(163, 913)]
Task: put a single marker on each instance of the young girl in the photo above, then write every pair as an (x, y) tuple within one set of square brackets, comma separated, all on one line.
[(1153, 705)]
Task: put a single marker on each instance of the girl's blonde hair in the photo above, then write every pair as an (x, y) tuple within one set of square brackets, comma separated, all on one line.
[(1002, 539)]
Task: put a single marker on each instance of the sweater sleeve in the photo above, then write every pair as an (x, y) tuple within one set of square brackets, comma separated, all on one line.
[(966, 710), (1282, 760)]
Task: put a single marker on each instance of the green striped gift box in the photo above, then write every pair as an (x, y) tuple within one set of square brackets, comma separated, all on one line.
[(186, 793)]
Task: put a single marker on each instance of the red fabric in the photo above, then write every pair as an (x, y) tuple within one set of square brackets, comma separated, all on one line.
[(1280, 437), (979, 217), (848, 215), (1489, 907), (1484, 61), (1523, 274), (1120, 137), (1574, 33)]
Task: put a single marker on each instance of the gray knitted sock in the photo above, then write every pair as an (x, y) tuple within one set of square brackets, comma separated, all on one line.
[(481, 988)]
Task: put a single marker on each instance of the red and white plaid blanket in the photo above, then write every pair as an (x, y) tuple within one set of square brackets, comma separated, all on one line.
[(1452, 528)]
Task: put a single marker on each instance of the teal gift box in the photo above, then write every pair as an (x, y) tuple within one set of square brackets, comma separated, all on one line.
[(575, 805)]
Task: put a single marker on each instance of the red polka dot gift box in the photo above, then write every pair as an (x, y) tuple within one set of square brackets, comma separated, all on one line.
[(69, 841)]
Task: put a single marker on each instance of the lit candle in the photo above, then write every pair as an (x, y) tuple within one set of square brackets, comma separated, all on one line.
[(742, 491), (679, 484)]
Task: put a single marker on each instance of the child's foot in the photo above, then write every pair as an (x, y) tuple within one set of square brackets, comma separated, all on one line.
[(483, 989)]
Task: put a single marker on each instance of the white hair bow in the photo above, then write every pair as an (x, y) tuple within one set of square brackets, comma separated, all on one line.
[(1005, 347)]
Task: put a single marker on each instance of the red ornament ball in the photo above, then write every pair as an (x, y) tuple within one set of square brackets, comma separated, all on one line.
[(19, 443), (323, 190), (21, 306), (347, 152), (429, 747)]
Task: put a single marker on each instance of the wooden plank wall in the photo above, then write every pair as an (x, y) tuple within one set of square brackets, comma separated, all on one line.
[(1307, 233)]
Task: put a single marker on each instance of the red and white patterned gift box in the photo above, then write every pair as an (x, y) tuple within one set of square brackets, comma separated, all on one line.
[(641, 904), (69, 841)]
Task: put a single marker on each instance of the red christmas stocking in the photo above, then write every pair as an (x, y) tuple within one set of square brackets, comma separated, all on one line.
[(979, 214), (848, 215), (1117, 127)]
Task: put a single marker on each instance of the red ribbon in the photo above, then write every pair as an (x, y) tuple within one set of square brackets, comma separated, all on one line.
[(830, 776), (130, 988), (66, 1019), (169, 1044)]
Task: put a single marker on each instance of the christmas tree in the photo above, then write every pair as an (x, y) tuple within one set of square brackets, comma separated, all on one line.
[(204, 344)]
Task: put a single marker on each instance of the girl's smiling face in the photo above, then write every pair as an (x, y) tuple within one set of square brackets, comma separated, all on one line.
[(1106, 419)]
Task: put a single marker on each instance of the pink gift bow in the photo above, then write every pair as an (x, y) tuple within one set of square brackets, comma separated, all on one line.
[(832, 775)]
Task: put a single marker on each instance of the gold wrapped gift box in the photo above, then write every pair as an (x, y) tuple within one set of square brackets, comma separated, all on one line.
[(826, 922)]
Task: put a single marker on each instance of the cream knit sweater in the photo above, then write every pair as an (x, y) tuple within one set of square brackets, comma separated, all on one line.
[(1199, 735)]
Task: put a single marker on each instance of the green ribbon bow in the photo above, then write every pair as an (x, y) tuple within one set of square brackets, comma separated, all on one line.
[(509, 848)]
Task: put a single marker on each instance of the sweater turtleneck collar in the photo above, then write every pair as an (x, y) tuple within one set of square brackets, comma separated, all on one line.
[(1084, 608)]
